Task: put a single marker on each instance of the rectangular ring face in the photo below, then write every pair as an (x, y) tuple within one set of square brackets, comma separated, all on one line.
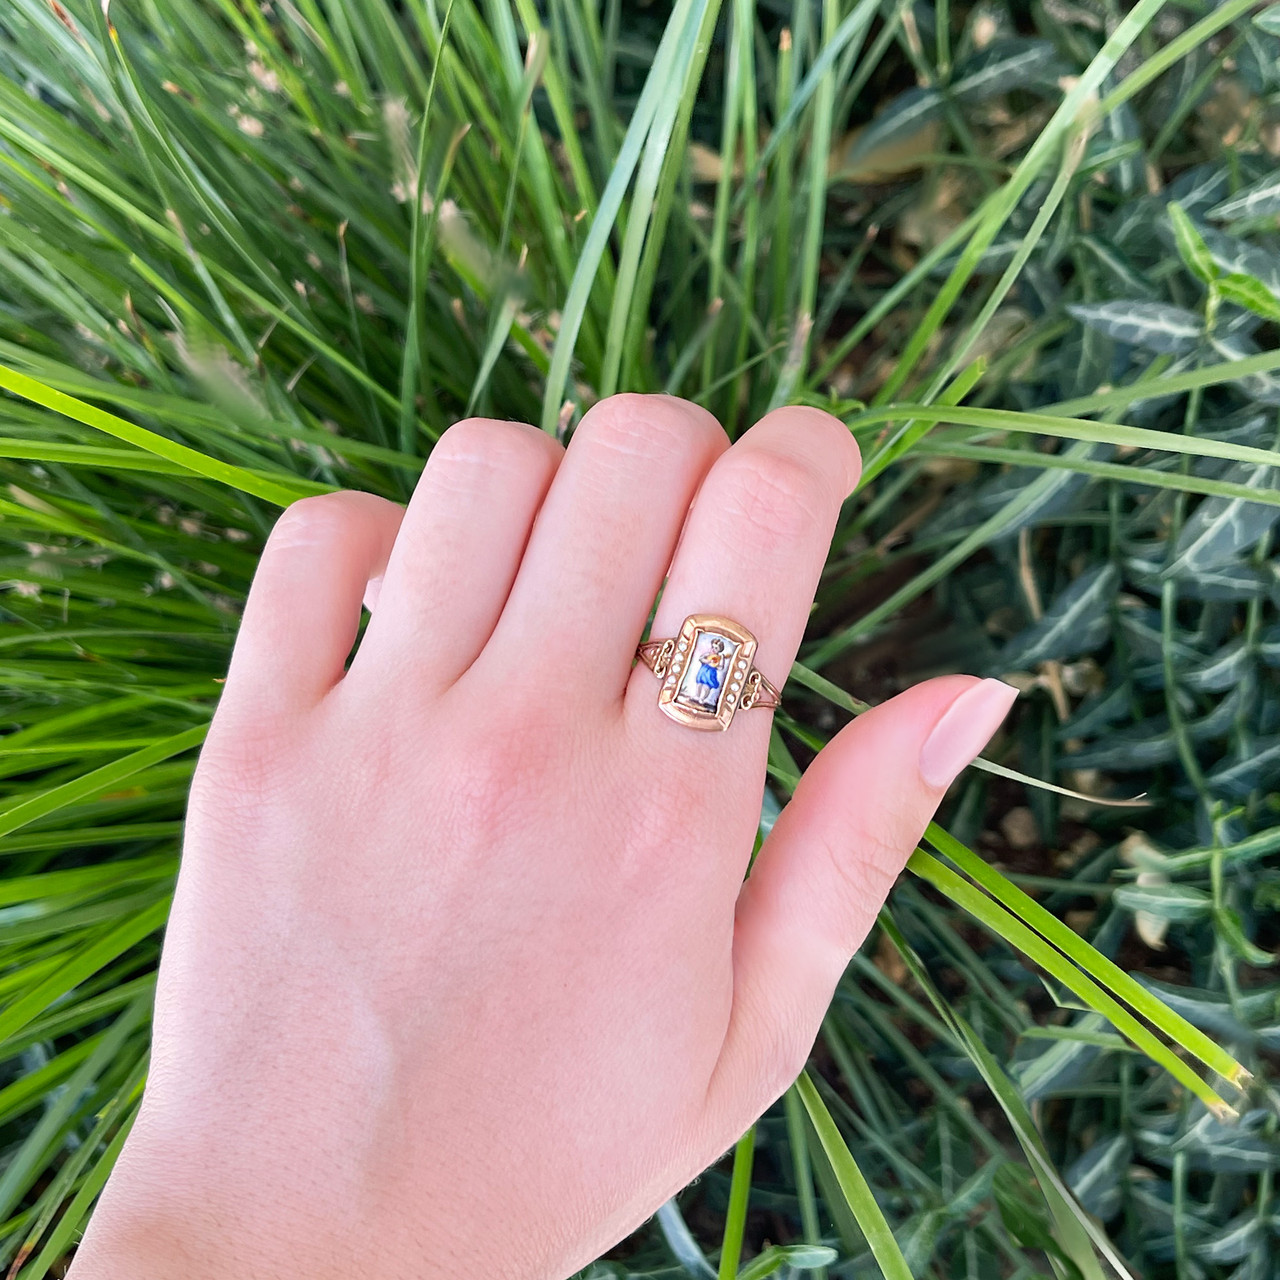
[(708, 670)]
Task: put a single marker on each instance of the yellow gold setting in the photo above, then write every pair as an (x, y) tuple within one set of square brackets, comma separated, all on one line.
[(707, 673)]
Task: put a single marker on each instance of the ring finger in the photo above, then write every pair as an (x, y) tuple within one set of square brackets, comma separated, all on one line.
[(753, 548)]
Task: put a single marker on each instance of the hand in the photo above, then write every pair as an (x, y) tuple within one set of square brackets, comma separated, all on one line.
[(461, 977)]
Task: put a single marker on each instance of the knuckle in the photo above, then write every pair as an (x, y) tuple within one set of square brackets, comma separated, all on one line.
[(321, 518), (489, 445), (861, 878), (776, 493), (493, 766), (238, 771), (820, 434), (654, 828), (631, 424), (498, 778)]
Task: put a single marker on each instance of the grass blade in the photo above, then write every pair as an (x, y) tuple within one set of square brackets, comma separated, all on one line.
[(1007, 926), (1091, 960), (98, 780), (190, 459), (853, 1185), (739, 1194)]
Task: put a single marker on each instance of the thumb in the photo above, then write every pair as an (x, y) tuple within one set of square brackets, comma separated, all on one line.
[(825, 871)]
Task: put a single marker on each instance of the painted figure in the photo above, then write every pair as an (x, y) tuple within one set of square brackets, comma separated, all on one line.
[(707, 686)]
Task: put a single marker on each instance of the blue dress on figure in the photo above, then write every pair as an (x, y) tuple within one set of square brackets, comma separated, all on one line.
[(709, 670)]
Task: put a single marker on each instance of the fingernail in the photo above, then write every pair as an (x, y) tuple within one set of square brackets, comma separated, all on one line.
[(965, 728)]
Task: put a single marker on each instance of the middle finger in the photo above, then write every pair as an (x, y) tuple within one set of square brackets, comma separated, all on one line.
[(605, 536)]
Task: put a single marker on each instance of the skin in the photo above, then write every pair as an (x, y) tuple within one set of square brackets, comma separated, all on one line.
[(462, 977)]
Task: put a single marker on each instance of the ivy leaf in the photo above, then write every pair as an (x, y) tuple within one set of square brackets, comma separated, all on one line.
[(1062, 1065), (1023, 1213), (1257, 63), (1221, 528), (1233, 581), (803, 1257), (1231, 929), (1235, 1241), (1212, 1145), (1118, 266), (899, 126), (1223, 670), (1076, 623), (1191, 246), (1200, 185), (919, 1237), (1097, 1176), (1179, 903), (1119, 141), (1239, 257), (1262, 387), (1211, 1011), (1260, 768), (1005, 65), (1156, 326), (1268, 20), (1245, 291)]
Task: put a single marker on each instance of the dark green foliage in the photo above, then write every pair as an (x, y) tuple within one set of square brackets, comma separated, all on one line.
[(251, 252)]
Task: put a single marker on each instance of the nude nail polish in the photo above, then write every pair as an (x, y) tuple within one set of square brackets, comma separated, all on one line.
[(964, 729)]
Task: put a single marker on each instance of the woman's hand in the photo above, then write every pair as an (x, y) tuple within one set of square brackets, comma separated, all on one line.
[(461, 976)]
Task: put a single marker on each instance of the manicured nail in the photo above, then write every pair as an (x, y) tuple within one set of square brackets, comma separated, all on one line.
[(965, 728)]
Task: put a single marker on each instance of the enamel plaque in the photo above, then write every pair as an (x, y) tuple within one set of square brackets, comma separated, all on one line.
[(707, 676)]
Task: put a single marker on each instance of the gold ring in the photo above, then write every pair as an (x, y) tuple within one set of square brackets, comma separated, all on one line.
[(707, 672)]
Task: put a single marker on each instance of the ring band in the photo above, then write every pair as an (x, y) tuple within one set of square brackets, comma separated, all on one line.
[(707, 672)]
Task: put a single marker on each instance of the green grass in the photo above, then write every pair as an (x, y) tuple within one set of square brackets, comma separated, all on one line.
[(272, 251)]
